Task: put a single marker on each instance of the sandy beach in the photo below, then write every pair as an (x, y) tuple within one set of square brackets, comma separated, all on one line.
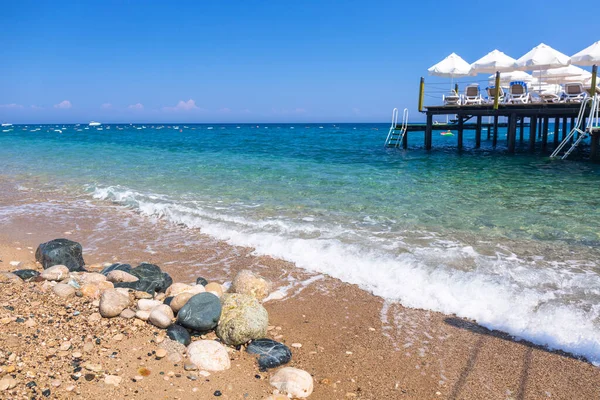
[(354, 344)]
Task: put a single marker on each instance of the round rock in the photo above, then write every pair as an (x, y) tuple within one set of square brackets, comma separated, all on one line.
[(201, 281), (161, 316), (177, 288), (272, 354), (63, 290), (214, 288), (209, 355), (242, 320), (118, 275), (26, 274), (147, 304), (179, 301), (293, 381), (247, 282), (201, 313), (179, 334), (112, 303), (55, 273)]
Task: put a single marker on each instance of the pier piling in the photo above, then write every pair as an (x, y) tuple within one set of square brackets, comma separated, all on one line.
[(532, 133), (512, 132), (478, 133), (556, 126)]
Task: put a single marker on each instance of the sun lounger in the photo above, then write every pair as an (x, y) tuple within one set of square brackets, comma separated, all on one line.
[(472, 95), (517, 93), (452, 99), (491, 92), (574, 92)]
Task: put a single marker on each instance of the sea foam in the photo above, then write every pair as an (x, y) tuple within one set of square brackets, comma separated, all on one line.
[(548, 306)]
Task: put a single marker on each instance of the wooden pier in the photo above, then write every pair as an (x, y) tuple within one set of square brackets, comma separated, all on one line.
[(538, 115)]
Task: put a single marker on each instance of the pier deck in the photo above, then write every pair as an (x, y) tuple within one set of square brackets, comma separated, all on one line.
[(539, 116)]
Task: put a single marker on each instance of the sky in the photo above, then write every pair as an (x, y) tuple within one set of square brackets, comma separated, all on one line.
[(249, 61)]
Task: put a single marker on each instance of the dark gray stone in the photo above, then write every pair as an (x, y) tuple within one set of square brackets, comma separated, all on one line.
[(61, 252), (151, 279), (272, 353), (115, 267), (179, 334), (201, 312), (201, 281), (26, 274)]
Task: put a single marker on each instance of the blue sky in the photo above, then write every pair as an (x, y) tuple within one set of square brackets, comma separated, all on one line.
[(249, 61)]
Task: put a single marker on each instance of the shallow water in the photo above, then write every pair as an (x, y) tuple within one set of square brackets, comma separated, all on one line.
[(510, 241)]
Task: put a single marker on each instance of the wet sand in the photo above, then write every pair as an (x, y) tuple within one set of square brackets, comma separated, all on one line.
[(354, 344)]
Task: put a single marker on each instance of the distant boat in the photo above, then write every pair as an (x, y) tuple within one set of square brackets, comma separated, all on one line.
[(6, 124), (93, 123)]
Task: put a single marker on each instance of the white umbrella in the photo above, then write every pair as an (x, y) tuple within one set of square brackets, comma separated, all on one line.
[(451, 67), (542, 57), (588, 56), (507, 77), (494, 61), (569, 73)]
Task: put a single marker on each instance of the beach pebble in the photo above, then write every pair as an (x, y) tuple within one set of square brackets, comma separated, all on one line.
[(179, 301), (176, 288), (190, 366), (293, 381), (63, 290), (127, 313), (161, 316), (249, 283), (9, 277), (201, 281), (201, 313), (112, 380), (121, 276), (161, 353), (297, 345), (55, 273), (15, 263), (142, 314), (272, 354), (103, 285), (277, 397), (91, 277), (7, 383), (112, 303), (26, 274), (179, 334), (242, 320), (195, 289), (60, 252), (65, 346), (142, 295), (209, 355), (214, 288), (90, 291), (147, 304)]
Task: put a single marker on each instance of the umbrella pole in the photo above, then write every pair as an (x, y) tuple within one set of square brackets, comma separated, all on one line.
[(594, 73)]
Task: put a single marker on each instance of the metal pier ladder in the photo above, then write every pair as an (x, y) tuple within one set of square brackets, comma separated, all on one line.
[(583, 131), (396, 135)]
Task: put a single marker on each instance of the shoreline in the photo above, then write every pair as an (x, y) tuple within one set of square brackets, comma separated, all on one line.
[(395, 352)]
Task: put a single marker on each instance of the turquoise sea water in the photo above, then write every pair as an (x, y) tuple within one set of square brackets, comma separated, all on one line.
[(510, 241)]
